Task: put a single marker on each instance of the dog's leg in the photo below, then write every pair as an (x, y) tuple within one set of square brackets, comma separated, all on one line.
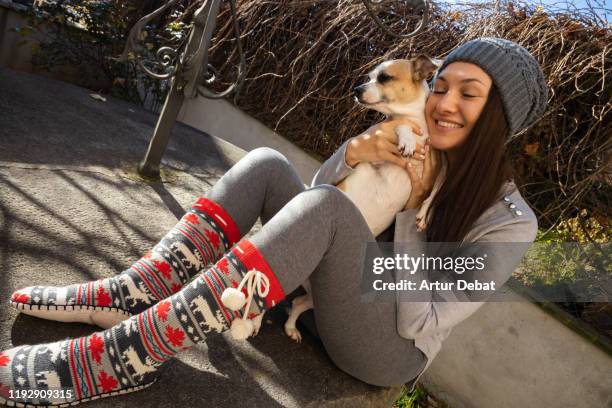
[(406, 140), (421, 222), (257, 323), (299, 305)]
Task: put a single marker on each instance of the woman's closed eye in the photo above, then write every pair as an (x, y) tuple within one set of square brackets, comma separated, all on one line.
[(464, 94)]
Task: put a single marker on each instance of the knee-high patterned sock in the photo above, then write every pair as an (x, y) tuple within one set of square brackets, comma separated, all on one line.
[(201, 236), (126, 357)]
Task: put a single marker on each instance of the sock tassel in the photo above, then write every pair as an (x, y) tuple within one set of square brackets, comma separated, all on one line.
[(234, 299)]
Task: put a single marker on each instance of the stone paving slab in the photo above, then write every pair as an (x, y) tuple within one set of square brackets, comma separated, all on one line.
[(73, 209)]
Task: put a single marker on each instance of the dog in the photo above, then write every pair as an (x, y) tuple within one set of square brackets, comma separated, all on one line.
[(397, 88)]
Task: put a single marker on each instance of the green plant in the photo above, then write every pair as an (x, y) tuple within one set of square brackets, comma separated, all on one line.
[(415, 399), (571, 259)]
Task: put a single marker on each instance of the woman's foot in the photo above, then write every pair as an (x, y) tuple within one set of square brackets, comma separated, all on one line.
[(126, 357), (99, 303), (106, 363), (201, 236)]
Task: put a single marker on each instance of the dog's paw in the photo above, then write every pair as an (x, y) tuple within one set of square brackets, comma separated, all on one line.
[(420, 225), (257, 324), (299, 301), (294, 333), (406, 140)]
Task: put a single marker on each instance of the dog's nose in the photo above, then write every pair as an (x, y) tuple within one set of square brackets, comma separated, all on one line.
[(358, 91)]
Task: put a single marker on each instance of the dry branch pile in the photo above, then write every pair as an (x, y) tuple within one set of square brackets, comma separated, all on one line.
[(304, 57)]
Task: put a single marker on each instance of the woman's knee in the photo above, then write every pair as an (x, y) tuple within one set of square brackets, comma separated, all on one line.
[(269, 159), (271, 165), (335, 201)]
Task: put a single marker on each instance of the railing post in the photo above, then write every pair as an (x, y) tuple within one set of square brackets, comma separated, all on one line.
[(149, 167), (185, 82)]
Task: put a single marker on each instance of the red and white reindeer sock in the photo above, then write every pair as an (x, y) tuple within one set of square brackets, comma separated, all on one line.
[(201, 236), (126, 357)]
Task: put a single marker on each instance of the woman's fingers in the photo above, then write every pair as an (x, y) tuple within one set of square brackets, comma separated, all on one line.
[(437, 160), (411, 172), (382, 142), (419, 152), (433, 157), (427, 161), (391, 157), (387, 134), (415, 180), (431, 168), (386, 145), (431, 160)]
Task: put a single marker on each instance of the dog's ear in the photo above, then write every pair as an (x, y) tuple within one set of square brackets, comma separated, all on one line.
[(424, 67)]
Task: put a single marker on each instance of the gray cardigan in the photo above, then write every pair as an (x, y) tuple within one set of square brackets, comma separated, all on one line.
[(508, 220)]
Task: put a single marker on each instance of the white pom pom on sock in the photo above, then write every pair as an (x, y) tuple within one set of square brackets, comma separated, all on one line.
[(241, 329), (233, 299)]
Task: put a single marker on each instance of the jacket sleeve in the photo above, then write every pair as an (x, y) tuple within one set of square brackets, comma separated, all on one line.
[(439, 310), (334, 169)]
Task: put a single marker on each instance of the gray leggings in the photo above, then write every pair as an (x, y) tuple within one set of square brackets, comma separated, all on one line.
[(319, 234)]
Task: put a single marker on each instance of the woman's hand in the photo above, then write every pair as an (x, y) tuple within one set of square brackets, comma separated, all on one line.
[(379, 143), (422, 186)]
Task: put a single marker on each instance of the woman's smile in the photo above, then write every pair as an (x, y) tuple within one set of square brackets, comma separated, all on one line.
[(445, 125)]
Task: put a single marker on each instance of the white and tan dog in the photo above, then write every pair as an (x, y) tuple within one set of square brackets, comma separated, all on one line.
[(397, 88)]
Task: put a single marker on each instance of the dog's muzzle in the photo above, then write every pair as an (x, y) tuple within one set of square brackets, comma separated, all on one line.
[(358, 92)]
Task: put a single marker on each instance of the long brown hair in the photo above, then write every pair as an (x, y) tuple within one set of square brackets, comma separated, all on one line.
[(474, 181)]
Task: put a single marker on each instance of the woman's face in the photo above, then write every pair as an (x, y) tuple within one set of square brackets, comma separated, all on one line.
[(459, 95)]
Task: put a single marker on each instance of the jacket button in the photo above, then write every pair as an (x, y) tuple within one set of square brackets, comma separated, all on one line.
[(512, 206), (518, 212), (507, 199)]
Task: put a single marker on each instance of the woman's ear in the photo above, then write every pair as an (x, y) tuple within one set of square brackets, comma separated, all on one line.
[(424, 67)]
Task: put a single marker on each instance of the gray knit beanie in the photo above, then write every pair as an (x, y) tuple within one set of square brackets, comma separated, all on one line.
[(515, 73)]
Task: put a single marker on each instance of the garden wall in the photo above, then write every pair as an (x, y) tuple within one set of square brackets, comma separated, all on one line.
[(222, 119), (12, 55)]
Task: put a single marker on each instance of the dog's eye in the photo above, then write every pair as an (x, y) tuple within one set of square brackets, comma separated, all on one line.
[(382, 78)]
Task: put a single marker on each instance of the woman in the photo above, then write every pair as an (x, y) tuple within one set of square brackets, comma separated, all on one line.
[(487, 90)]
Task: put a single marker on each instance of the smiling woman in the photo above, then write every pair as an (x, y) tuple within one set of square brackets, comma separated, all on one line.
[(466, 121), (486, 91)]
